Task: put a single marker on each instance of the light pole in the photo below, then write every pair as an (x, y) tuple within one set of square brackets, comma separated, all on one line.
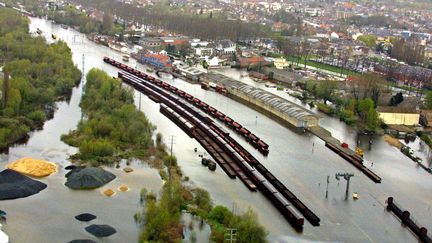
[(347, 177)]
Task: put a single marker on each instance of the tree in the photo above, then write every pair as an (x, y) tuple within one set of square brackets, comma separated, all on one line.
[(372, 120), (396, 99), (364, 107), (369, 40), (369, 85), (325, 89), (107, 22), (428, 100)]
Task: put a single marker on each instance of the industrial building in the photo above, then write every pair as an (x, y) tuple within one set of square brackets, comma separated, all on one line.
[(273, 105), (398, 116)]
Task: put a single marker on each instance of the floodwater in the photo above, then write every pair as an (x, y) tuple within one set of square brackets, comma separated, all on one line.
[(300, 161), (49, 215)]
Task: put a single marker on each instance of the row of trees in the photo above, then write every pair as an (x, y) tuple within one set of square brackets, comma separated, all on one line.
[(35, 76), (374, 20), (113, 128), (193, 25), (408, 51)]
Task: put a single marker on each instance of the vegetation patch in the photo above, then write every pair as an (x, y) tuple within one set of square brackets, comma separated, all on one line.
[(112, 128), (36, 74)]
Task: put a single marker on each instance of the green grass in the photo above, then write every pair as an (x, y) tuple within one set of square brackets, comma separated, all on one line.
[(323, 66)]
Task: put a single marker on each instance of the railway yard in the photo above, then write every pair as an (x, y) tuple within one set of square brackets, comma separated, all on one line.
[(204, 123), (230, 155)]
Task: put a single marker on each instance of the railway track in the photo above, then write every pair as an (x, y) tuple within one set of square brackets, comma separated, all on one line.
[(228, 153)]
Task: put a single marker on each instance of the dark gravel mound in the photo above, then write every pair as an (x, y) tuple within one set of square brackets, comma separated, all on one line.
[(88, 178), (71, 167), (82, 241), (15, 185), (85, 217), (100, 230)]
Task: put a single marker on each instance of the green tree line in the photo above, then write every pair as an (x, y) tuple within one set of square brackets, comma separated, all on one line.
[(35, 75)]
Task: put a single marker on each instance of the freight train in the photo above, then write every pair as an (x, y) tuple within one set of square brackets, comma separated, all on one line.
[(244, 159), (193, 119), (249, 136)]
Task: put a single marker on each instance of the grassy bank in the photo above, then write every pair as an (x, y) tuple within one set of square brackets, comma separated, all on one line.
[(112, 128), (36, 74)]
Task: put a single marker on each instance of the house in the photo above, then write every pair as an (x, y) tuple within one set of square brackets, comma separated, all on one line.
[(334, 35), (280, 63), (250, 61), (203, 52), (214, 62), (392, 115), (198, 43), (225, 47), (313, 12)]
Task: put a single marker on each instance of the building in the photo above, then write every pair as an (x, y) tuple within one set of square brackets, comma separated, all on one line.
[(250, 61), (203, 52), (270, 104), (153, 59), (392, 115), (225, 47), (313, 12), (280, 63), (189, 72), (151, 42)]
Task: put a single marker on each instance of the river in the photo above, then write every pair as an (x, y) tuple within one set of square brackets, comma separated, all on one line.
[(300, 161)]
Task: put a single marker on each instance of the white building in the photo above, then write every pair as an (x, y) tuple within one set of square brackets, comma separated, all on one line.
[(314, 12)]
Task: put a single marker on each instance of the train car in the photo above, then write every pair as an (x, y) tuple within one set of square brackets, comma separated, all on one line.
[(253, 138), (196, 101), (228, 120), (244, 131), (236, 126), (220, 115), (181, 93), (211, 110), (262, 144)]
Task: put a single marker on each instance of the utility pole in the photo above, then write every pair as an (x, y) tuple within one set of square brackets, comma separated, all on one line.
[(172, 142), (231, 235), (83, 80), (328, 181), (347, 177)]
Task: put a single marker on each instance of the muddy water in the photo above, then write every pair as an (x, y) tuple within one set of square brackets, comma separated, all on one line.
[(300, 161), (49, 215)]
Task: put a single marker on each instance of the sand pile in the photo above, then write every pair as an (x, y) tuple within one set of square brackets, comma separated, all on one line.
[(128, 169), (15, 185), (109, 192), (124, 188), (33, 167)]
